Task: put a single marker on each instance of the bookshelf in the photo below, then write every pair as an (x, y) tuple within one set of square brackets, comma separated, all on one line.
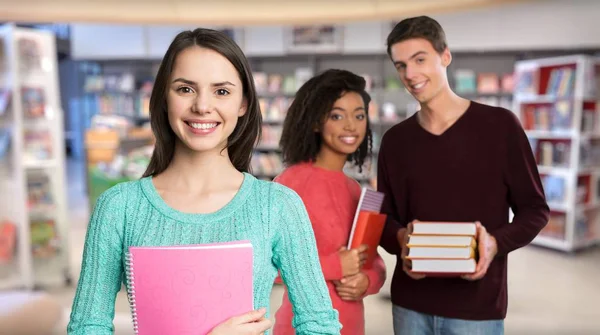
[(557, 103), (32, 168), (487, 78)]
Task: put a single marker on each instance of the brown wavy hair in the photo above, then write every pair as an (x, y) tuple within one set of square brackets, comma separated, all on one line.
[(312, 104), (248, 128)]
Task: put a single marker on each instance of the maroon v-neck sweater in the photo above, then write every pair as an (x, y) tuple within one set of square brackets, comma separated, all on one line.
[(475, 171)]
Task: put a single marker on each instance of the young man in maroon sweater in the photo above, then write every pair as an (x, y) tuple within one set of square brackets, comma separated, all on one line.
[(454, 160)]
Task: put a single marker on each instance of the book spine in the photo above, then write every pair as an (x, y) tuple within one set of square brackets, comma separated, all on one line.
[(131, 290)]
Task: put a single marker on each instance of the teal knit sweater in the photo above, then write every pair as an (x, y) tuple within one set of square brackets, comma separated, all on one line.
[(270, 215)]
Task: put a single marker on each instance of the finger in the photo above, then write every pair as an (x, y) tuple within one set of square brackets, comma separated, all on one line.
[(411, 274), (349, 299), (342, 248), (347, 294), (346, 290), (473, 277), (352, 298), (478, 274), (259, 326), (404, 253), (250, 316), (409, 228), (416, 276), (363, 248)]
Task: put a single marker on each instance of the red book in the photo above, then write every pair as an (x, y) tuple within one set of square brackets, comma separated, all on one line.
[(367, 230), (368, 223)]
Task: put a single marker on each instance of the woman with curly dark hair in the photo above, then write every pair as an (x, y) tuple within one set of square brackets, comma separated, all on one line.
[(326, 126)]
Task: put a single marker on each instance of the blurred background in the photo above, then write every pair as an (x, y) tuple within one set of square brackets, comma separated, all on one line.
[(75, 83)]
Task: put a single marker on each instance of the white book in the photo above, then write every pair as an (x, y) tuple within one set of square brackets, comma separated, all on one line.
[(445, 228), (440, 266), (441, 253), (440, 241)]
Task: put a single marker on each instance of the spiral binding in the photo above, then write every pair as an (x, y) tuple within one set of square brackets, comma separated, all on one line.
[(131, 290)]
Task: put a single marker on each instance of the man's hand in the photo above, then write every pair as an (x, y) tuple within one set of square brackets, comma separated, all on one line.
[(406, 263), (487, 249), (352, 288)]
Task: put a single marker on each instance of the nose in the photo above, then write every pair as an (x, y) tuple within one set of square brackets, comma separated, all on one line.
[(202, 103), (409, 72), (350, 124)]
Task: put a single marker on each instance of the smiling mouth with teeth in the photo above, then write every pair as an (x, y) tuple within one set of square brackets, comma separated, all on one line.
[(418, 86), (202, 125), (349, 139)]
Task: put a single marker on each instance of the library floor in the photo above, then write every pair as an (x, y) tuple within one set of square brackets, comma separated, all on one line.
[(549, 292)]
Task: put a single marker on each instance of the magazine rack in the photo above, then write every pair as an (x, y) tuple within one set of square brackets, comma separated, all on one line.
[(33, 212)]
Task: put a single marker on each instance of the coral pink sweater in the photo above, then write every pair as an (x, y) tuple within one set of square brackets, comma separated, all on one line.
[(331, 198)]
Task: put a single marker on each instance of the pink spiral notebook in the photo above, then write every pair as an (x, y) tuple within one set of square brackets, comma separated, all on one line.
[(189, 289)]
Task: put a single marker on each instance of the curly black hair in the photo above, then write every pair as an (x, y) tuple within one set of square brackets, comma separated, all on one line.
[(311, 106)]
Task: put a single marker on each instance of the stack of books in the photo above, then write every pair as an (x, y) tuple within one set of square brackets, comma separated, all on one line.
[(443, 248)]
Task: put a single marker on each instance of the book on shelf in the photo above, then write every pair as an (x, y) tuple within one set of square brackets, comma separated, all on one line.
[(30, 55), (33, 101), (561, 82), (45, 241), (508, 83), (275, 83), (526, 81), (5, 138), (464, 81), (289, 85), (488, 83), (39, 191), (554, 188), (368, 223), (443, 248), (5, 98), (303, 74), (266, 164), (555, 227), (189, 289), (37, 144), (260, 82), (8, 237)]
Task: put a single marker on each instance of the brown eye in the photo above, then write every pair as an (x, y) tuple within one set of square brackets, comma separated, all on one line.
[(185, 90)]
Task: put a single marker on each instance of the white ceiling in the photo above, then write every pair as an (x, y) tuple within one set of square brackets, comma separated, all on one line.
[(228, 12)]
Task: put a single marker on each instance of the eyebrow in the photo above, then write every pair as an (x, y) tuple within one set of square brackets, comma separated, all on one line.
[(193, 83), (418, 53), (356, 109)]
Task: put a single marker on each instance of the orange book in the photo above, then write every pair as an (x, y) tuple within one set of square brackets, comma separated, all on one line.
[(367, 229), (8, 233)]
